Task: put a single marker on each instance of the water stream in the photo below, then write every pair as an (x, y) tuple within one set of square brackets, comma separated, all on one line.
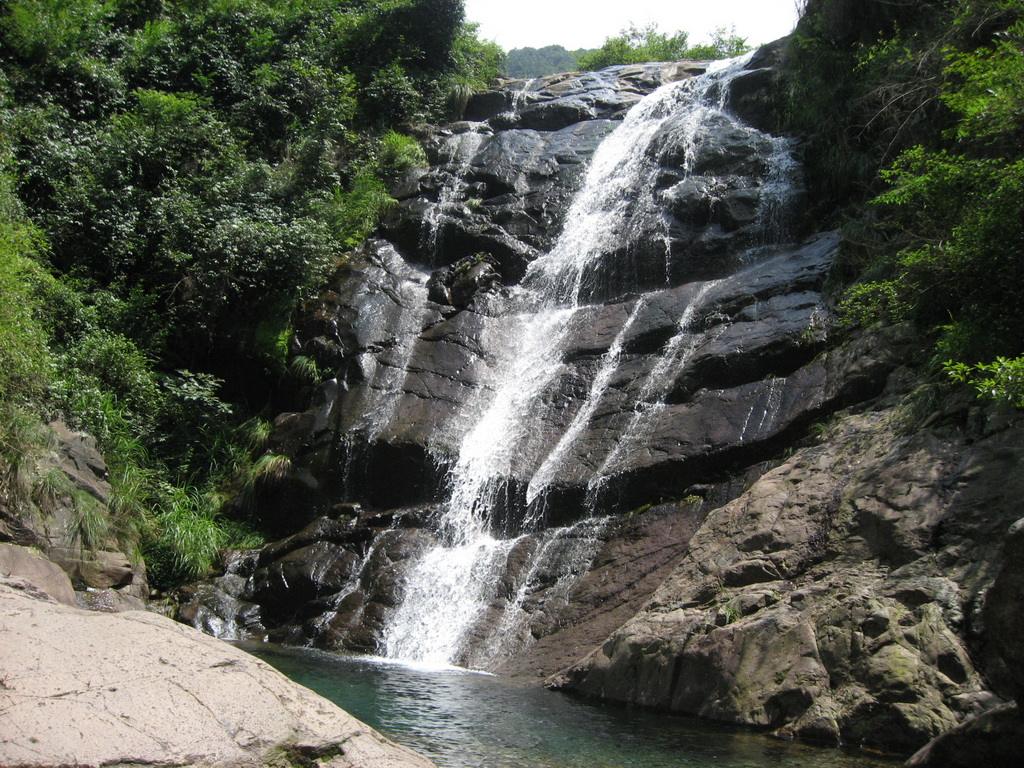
[(461, 719)]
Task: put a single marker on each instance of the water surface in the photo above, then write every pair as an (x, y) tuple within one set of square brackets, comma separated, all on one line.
[(464, 719)]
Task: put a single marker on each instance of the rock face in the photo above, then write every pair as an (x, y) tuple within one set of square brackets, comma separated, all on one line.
[(76, 476), (418, 325), (832, 600), (587, 413), (993, 737), (138, 689)]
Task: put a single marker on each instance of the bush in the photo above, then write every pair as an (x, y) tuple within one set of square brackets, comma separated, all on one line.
[(1002, 379), (398, 154), (353, 214), (935, 102)]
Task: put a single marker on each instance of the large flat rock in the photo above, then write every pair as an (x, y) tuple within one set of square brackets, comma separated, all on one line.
[(89, 689)]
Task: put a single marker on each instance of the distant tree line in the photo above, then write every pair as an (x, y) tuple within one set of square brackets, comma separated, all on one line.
[(632, 45)]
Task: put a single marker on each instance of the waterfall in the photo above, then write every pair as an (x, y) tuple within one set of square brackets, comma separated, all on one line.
[(563, 555), (650, 401), (462, 148), (519, 97), (450, 587), (543, 476)]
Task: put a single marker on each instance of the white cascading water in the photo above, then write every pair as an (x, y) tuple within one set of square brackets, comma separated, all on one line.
[(609, 363), (450, 587), (763, 410), (462, 148), (519, 97), (650, 401), (400, 321), (562, 556)]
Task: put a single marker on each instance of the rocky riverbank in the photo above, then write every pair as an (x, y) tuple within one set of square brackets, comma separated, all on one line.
[(134, 688)]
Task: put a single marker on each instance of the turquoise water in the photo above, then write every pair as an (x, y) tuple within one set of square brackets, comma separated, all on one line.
[(464, 719)]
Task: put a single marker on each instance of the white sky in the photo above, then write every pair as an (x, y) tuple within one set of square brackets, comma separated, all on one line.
[(586, 23)]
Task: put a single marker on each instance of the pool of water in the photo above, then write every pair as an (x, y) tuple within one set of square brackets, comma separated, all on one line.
[(464, 719)]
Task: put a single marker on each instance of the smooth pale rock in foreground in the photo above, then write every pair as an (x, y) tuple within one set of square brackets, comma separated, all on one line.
[(135, 688)]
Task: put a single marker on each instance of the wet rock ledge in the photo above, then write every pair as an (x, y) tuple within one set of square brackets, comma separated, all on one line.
[(92, 689)]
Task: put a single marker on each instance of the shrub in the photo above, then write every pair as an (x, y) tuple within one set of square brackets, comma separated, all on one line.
[(1002, 379), (399, 153), (353, 214), (635, 45)]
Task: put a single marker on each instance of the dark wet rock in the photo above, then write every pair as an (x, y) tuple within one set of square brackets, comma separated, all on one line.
[(417, 366), (457, 286), (553, 102), (992, 738), (357, 619), (300, 576), (754, 95), (1003, 619)]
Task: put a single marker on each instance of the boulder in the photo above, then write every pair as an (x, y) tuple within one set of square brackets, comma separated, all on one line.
[(97, 569), (992, 739), (31, 566), (72, 695), (1003, 618)]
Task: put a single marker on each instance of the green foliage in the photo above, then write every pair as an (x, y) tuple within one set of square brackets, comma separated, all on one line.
[(24, 357), (871, 302), (175, 177), (51, 30), (89, 524), (635, 45), (478, 63), (392, 95), (398, 154), (730, 611), (1002, 379), (861, 83), (351, 215), (305, 369), (963, 203), (190, 533), (987, 88), (934, 103), (270, 468), (724, 44)]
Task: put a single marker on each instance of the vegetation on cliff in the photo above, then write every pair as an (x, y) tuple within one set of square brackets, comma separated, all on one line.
[(916, 116), (176, 176)]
